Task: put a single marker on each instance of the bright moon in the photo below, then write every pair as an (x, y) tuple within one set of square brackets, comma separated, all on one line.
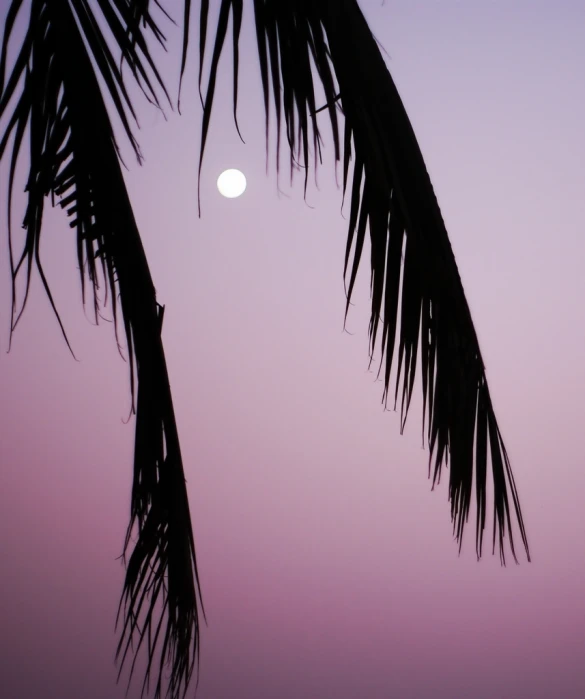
[(231, 183)]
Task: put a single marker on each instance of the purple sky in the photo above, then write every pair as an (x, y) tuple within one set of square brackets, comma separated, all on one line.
[(328, 566)]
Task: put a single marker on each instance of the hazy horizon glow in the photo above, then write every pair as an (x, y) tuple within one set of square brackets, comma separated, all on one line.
[(328, 567)]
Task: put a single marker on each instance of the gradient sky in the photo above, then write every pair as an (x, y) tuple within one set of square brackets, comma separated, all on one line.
[(327, 565)]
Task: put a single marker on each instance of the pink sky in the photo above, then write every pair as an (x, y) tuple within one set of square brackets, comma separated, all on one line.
[(327, 565)]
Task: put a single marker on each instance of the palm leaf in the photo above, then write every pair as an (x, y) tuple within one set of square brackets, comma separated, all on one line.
[(74, 158), (419, 301)]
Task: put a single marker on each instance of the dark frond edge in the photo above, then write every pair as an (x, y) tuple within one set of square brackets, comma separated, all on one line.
[(435, 317), (74, 159), (418, 302)]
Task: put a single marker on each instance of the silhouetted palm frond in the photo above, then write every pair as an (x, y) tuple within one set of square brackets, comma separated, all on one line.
[(52, 96), (419, 302), (74, 157)]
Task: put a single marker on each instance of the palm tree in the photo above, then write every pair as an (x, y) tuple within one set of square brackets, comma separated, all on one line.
[(51, 96)]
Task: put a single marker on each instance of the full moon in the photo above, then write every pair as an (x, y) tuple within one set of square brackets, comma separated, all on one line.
[(231, 183)]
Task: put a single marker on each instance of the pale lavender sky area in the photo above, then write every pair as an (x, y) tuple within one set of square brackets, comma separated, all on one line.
[(327, 565)]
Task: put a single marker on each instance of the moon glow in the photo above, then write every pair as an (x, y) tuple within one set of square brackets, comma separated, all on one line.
[(231, 183)]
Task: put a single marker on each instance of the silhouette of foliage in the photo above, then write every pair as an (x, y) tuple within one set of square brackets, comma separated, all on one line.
[(52, 94), (74, 158)]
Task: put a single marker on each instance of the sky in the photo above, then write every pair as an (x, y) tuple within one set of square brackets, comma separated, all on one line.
[(328, 566)]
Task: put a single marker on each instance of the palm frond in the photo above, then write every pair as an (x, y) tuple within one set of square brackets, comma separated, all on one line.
[(419, 300), (74, 158)]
